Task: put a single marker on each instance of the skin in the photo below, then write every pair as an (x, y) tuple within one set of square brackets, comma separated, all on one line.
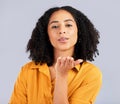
[(62, 32)]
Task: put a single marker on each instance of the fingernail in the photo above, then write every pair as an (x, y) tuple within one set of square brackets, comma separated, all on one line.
[(80, 60)]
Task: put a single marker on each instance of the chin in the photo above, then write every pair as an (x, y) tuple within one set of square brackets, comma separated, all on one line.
[(65, 48)]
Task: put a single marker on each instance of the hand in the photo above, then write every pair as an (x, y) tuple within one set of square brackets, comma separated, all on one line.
[(64, 64)]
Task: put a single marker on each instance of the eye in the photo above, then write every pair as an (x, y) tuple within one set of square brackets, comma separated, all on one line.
[(54, 27), (68, 25)]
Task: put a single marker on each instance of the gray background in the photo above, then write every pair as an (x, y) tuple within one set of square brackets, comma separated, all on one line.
[(17, 20)]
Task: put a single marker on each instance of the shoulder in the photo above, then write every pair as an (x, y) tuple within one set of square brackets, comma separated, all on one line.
[(91, 70), (30, 66), (86, 66)]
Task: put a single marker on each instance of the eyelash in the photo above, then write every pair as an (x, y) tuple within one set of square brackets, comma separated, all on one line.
[(54, 27), (68, 25)]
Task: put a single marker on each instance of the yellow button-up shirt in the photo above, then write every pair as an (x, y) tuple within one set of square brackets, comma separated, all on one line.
[(34, 86)]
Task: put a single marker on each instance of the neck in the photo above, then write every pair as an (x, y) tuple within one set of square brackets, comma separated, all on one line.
[(63, 53)]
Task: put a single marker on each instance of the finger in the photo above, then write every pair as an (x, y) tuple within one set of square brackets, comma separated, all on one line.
[(78, 61), (63, 61), (69, 62), (59, 60)]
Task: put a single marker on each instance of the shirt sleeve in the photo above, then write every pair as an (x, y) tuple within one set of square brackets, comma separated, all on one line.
[(86, 93), (19, 95)]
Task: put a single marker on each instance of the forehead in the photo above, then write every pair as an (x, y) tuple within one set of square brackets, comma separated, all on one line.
[(61, 15)]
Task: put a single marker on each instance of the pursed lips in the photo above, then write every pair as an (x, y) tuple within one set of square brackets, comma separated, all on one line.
[(63, 39)]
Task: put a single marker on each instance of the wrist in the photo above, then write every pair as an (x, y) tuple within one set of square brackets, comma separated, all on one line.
[(61, 76), (62, 73)]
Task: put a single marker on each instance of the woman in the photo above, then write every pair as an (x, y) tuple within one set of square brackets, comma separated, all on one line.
[(62, 43)]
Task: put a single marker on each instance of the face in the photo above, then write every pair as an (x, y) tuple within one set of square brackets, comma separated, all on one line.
[(62, 30)]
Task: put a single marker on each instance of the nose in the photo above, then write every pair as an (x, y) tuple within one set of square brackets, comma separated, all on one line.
[(62, 30)]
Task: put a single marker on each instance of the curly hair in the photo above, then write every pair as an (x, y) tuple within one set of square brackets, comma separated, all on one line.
[(41, 50)]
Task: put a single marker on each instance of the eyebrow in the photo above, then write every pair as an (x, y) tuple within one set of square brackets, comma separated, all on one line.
[(64, 21), (69, 20)]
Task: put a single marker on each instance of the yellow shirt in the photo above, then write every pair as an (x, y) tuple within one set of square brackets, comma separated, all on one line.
[(34, 86)]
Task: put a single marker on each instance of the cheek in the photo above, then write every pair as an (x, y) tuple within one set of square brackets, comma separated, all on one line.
[(75, 39), (74, 35), (50, 34), (52, 38)]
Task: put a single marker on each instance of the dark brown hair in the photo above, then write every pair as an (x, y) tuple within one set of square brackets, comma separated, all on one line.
[(41, 50)]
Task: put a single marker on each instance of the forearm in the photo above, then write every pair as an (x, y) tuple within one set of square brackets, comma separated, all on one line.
[(60, 91), (62, 66)]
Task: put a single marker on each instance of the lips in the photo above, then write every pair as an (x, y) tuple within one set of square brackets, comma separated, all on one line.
[(63, 39)]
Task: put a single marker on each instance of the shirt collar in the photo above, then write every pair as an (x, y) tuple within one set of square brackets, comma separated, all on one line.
[(77, 67), (44, 67)]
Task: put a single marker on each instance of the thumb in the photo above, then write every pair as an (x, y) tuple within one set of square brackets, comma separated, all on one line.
[(78, 61)]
